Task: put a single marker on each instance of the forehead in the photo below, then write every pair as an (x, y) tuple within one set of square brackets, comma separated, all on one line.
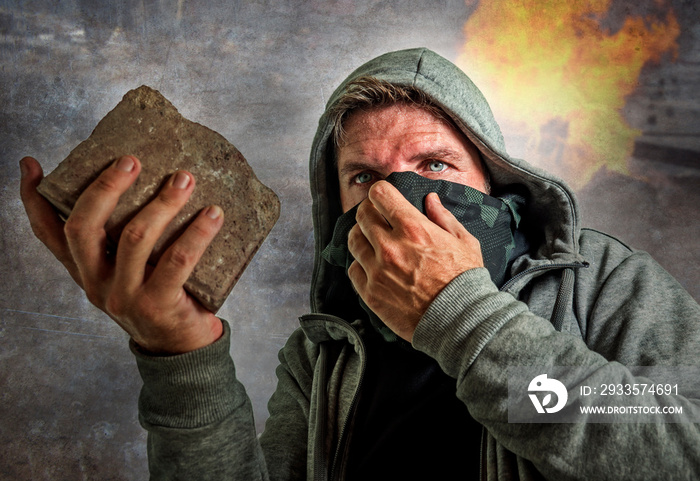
[(397, 129), (379, 122)]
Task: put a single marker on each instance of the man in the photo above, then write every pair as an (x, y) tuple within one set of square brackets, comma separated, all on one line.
[(400, 370)]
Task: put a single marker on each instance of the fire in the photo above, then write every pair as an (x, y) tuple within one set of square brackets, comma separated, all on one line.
[(557, 80)]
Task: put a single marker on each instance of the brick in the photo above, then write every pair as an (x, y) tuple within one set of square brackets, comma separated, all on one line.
[(145, 124)]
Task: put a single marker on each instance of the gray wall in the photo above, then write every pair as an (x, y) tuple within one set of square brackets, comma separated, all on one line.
[(259, 73)]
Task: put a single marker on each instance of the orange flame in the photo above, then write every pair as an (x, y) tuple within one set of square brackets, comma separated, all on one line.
[(557, 81)]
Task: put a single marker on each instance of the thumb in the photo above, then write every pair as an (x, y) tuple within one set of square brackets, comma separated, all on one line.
[(31, 175), (43, 219)]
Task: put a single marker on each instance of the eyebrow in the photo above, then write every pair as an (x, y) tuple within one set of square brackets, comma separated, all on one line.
[(356, 167), (438, 154), (447, 154)]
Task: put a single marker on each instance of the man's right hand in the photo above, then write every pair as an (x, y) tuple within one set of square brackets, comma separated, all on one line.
[(148, 302)]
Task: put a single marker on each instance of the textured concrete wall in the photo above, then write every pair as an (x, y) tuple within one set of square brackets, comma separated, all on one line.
[(259, 73)]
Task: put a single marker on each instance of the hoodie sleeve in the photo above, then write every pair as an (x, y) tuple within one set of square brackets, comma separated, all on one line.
[(636, 313), (198, 416)]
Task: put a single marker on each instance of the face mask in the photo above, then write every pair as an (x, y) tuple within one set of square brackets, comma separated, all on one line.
[(491, 220)]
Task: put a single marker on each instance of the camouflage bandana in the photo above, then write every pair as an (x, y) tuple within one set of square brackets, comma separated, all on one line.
[(491, 220)]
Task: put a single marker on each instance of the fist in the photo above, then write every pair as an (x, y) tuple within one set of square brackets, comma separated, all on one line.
[(403, 259)]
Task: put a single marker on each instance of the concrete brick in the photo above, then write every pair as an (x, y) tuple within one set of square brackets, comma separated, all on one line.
[(145, 124)]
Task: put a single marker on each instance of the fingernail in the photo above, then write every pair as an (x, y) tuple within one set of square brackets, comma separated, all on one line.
[(214, 212), (23, 167), (434, 197), (181, 180), (125, 164)]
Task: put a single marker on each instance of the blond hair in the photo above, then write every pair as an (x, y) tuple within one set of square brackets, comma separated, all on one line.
[(366, 93)]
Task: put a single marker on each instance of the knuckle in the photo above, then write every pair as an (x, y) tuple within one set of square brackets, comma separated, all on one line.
[(353, 269), (114, 306), (180, 257), (358, 277), (353, 236), (65, 257), (168, 199), (361, 213), (370, 298), (381, 187), (93, 294), (73, 227), (201, 230), (41, 232), (390, 255), (474, 241), (458, 231), (105, 183), (134, 233), (415, 232)]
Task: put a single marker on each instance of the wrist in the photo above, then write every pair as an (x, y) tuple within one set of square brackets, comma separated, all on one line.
[(462, 319), (189, 390), (181, 341)]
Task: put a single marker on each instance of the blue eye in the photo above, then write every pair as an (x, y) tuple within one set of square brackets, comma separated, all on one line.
[(363, 178), (436, 166)]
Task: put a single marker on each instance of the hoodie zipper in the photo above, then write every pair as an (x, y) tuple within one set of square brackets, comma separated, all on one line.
[(482, 455), (342, 440), (526, 272), (321, 464)]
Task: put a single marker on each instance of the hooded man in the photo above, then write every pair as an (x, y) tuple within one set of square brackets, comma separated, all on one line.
[(440, 262)]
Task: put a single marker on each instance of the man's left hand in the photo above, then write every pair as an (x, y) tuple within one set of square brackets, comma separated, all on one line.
[(403, 259)]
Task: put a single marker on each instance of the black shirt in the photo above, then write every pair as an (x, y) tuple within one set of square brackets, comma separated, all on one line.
[(409, 423)]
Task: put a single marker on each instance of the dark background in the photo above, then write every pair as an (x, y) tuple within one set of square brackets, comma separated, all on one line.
[(259, 73)]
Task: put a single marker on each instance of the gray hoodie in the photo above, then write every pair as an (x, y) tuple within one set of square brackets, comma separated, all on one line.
[(578, 298)]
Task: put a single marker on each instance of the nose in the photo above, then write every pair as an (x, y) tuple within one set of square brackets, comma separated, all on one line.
[(397, 165)]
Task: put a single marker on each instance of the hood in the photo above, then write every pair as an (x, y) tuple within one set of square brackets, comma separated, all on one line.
[(550, 218)]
